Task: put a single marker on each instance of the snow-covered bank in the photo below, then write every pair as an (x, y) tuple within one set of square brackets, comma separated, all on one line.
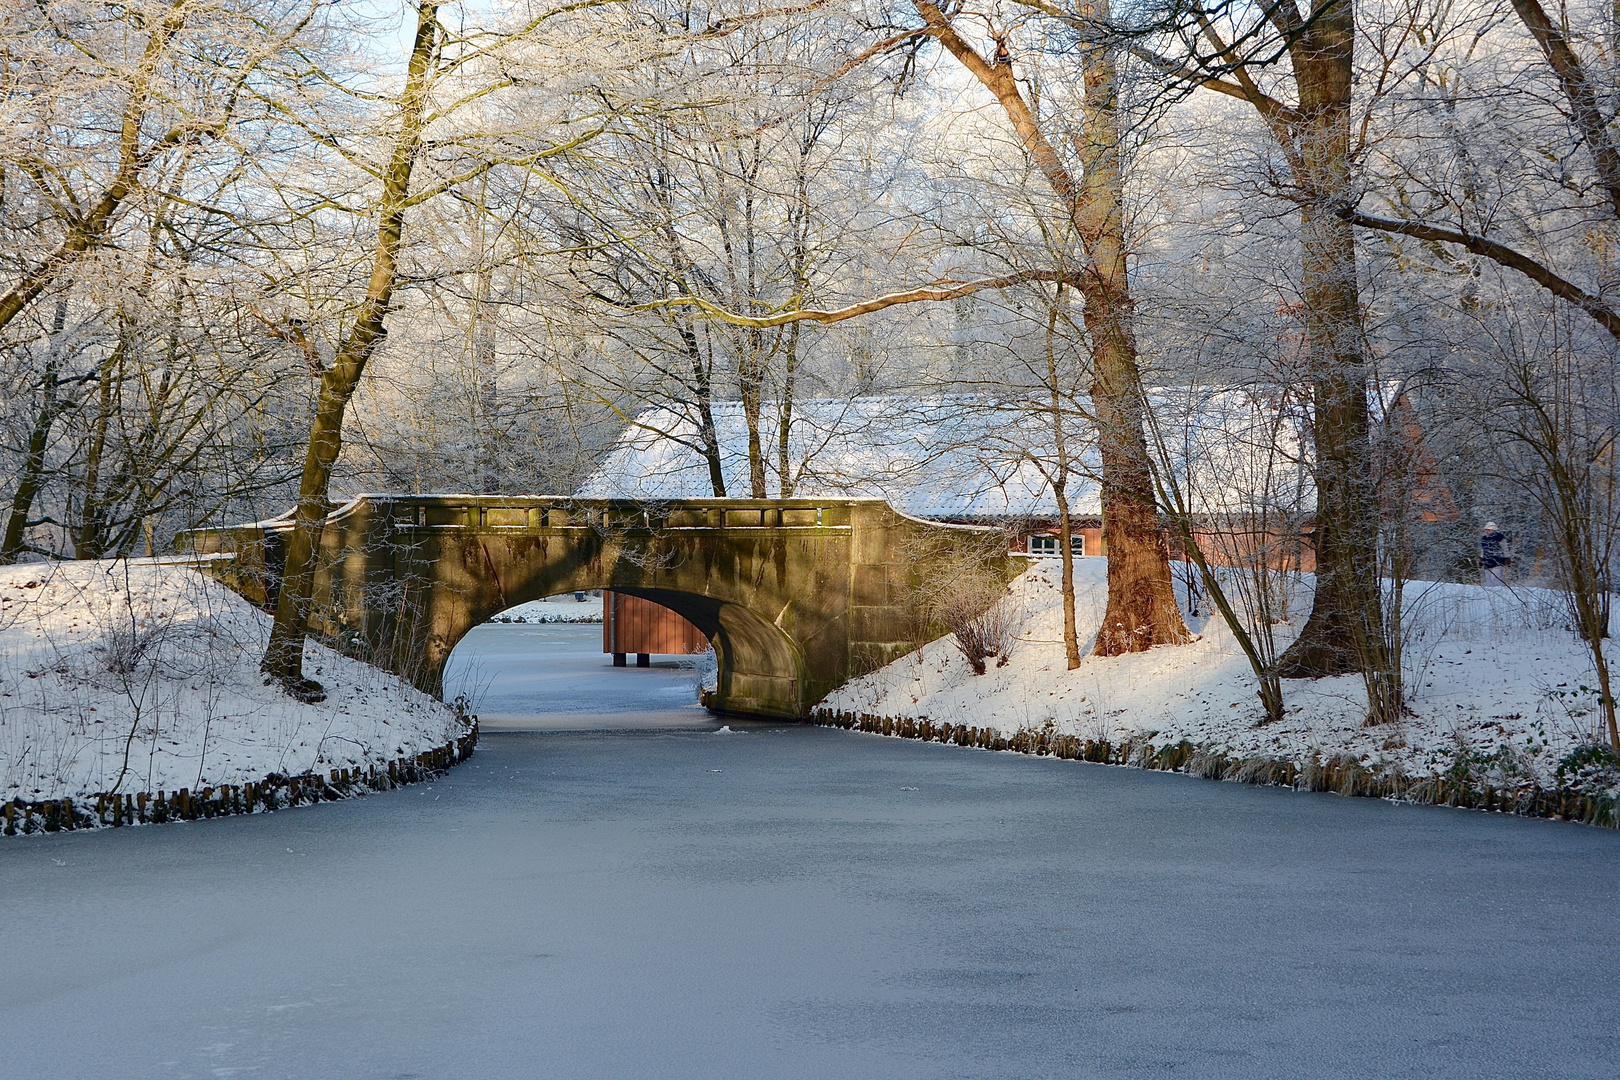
[(554, 609), (142, 676), (1498, 691)]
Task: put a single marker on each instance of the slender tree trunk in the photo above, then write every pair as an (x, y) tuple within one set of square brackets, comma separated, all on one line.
[(90, 539), (1060, 485), (33, 466), (1142, 609), (750, 384), (1071, 635), (284, 656), (784, 413), (799, 219), (33, 470), (489, 386), (1607, 690), (703, 386)]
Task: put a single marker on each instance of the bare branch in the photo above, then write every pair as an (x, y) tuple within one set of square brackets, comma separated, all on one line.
[(940, 290), (1502, 255)]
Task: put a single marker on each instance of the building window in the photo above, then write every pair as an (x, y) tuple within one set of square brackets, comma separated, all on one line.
[(1046, 546)]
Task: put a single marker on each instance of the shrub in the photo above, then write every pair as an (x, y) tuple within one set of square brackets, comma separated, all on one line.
[(983, 635)]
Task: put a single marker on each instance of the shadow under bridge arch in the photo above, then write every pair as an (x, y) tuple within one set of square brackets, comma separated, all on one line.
[(760, 668)]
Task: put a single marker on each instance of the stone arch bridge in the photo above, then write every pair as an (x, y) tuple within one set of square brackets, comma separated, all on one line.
[(796, 595)]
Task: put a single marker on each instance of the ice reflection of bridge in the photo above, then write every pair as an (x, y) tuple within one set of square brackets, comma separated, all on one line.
[(797, 595)]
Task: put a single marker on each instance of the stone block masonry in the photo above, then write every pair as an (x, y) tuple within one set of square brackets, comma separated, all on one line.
[(797, 596)]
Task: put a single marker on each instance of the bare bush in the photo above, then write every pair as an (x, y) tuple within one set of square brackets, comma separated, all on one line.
[(959, 589), (1233, 492), (983, 635), (965, 596)]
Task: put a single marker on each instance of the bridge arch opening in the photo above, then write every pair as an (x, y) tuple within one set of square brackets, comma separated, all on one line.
[(759, 668), (534, 671)]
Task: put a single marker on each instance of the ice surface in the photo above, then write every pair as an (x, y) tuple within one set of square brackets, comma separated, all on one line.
[(550, 677), (810, 903), (805, 903)]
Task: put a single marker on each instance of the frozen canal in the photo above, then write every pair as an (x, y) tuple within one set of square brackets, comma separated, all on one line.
[(546, 677), (669, 902)]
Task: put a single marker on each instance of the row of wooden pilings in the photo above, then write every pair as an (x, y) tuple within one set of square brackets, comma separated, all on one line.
[(274, 792), (1041, 743), (1340, 774)]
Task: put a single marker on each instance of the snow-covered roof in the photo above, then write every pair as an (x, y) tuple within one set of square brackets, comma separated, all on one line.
[(943, 458), (958, 458)]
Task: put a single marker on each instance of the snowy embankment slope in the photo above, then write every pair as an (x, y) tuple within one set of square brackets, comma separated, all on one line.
[(554, 609), (1487, 669), (143, 675)]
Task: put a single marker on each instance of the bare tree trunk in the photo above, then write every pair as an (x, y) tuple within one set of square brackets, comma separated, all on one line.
[(799, 221), (284, 656), (1071, 636), (703, 386), (1060, 484), (33, 470), (1142, 609), (784, 412), (751, 379), (1345, 630), (90, 540), (33, 466), (481, 335)]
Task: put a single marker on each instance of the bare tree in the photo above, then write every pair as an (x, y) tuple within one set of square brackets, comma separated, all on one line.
[(447, 72), (172, 72), (106, 105), (733, 205), (1230, 471), (1557, 426), (1142, 609)]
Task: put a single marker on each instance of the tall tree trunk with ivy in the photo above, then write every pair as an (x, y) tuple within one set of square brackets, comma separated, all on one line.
[(284, 656)]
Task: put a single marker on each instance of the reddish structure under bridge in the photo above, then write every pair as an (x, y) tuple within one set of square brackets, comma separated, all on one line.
[(632, 624)]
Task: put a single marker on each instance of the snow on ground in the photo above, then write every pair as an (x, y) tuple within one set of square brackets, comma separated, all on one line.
[(554, 609), (143, 675), (1486, 669)]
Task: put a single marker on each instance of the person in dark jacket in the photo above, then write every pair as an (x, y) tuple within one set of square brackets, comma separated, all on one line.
[(1493, 556)]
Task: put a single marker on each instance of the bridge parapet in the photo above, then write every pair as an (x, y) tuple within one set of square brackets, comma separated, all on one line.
[(797, 595)]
